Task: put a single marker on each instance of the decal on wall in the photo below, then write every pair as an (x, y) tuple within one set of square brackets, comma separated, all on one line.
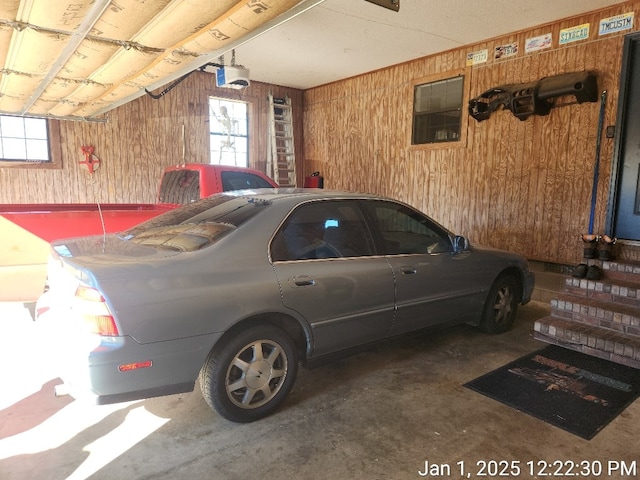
[(574, 34), (90, 160), (536, 44), (615, 24), (474, 58), (506, 51)]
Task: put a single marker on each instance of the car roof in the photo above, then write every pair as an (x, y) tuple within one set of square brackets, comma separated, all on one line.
[(271, 194)]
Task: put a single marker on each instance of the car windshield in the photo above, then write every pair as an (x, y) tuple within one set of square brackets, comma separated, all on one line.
[(196, 225)]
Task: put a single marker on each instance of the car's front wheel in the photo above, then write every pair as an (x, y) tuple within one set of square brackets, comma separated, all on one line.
[(501, 306), (250, 374)]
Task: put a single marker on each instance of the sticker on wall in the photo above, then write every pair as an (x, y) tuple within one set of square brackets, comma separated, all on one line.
[(615, 24), (574, 34), (506, 51), (537, 43), (475, 58)]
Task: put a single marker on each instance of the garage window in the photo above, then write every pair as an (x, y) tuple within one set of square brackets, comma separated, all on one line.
[(437, 111), (27, 142), (228, 132)]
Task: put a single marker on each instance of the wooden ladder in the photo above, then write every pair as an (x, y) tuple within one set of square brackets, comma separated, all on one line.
[(281, 157)]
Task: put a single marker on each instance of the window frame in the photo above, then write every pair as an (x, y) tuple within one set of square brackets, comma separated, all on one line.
[(55, 151), (247, 138), (461, 142), (278, 247), (366, 213), (416, 217)]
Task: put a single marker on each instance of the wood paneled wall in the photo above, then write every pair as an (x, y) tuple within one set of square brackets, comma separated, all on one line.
[(139, 140), (520, 185)]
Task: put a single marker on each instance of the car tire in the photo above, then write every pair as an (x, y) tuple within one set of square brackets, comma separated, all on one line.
[(250, 374), (501, 305)]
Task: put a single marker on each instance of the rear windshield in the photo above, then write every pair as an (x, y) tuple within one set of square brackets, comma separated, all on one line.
[(185, 238), (180, 186), (195, 226), (232, 180)]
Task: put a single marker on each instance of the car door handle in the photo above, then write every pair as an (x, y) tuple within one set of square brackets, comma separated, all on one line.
[(303, 281), (407, 270)]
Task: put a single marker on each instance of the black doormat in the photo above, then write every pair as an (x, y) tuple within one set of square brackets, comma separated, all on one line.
[(576, 392)]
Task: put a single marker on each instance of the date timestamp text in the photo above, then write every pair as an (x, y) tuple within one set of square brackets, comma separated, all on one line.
[(531, 468)]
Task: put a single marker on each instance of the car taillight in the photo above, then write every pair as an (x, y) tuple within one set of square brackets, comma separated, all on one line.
[(95, 312)]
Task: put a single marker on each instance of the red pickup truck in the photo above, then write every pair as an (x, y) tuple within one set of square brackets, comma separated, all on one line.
[(27, 229)]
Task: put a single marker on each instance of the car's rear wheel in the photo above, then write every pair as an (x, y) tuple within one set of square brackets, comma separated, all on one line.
[(501, 306), (250, 374)]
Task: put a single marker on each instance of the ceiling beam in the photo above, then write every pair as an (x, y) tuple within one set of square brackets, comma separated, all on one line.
[(97, 9), (213, 56)]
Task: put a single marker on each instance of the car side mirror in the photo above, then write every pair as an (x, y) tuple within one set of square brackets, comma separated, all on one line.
[(460, 244)]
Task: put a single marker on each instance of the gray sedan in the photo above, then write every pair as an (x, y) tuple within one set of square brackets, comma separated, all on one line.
[(239, 288)]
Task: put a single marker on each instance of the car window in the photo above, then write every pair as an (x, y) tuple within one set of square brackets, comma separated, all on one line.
[(242, 181), (323, 229), (406, 231)]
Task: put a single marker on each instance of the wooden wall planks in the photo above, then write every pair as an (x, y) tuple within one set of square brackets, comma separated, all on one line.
[(520, 185), (139, 140)]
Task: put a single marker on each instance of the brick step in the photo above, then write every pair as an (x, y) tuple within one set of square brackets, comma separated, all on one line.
[(627, 270), (590, 339), (620, 291), (614, 316)]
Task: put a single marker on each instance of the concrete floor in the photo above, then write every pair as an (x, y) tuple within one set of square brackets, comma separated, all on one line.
[(378, 415)]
